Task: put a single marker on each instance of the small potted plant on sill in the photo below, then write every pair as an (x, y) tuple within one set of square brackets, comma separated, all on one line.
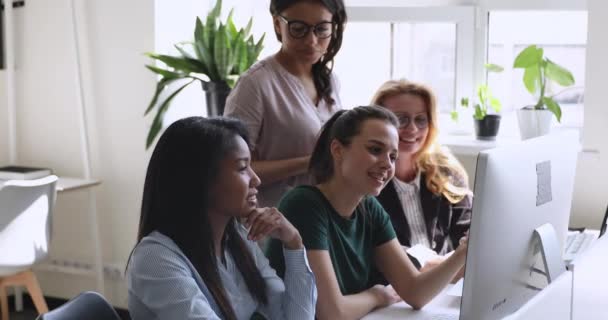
[(486, 125), (216, 57), (539, 73)]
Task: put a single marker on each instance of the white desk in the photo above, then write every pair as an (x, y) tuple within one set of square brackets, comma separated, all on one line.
[(590, 282), (589, 291), (441, 304)]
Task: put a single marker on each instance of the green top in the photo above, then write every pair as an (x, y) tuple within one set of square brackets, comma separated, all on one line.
[(350, 242)]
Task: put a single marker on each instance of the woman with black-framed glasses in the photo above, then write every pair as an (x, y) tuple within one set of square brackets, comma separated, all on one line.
[(428, 200), (285, 99)]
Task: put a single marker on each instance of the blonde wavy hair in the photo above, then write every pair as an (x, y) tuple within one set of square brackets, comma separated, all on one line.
[(444, 173)]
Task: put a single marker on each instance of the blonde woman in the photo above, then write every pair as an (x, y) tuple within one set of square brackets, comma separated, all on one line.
[(428, 200)]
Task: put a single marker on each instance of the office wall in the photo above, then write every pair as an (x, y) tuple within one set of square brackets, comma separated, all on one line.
[(591, 188), (4, 156), (117, 33)]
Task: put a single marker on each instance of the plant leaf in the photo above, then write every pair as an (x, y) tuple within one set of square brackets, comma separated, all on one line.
[(532, 79), (157, 123), (199, 31), (479, 113), (160, 86), (494, 67), (207, 59), (220, 54), (495, 103), (177, 63), (554, 107), (247, 29), (559, 74), (530, 56), (163, 72), (230, 25), (454, 115), (464, 102)]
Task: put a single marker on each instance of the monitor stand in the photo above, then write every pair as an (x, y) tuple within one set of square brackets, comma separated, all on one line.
[(550, 251)]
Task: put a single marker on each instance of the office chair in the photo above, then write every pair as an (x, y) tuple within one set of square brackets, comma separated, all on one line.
[(87, 305), (25, 232)]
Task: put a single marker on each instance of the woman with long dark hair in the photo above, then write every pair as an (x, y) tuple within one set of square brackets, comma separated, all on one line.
[(194, 259), (285, 98), (347, 233)]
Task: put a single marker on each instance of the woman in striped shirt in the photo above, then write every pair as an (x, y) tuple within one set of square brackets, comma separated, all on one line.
[(194, 259), (428, 200)]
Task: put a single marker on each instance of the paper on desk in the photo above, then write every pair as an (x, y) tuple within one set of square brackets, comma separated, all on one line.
[(421, 253), (456, 289)]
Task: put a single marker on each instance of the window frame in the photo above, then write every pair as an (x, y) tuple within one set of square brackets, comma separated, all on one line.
[(464, 17)]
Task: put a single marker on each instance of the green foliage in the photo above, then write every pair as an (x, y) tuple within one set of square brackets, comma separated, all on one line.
[(538, 70), (219, 53), (484, 97)]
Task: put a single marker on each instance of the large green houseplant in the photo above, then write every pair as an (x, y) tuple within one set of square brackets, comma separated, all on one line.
[(539, 71), (216, 57)]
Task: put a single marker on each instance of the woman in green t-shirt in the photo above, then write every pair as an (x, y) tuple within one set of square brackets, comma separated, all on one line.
[(347, 234)]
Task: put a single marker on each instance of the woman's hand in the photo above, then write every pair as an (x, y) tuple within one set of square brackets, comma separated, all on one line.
[(264, 222), (386, 295), (463, 244)]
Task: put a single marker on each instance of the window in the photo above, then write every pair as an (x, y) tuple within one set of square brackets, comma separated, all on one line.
[(426, 52), (361, 69), (414, 43), (562, 35)]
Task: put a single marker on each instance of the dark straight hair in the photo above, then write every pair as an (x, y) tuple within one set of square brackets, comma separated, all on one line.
[(321, 70), (342, 126), (182, 169)]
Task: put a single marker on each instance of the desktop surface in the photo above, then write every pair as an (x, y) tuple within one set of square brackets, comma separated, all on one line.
[(590, 282), (443, 306)]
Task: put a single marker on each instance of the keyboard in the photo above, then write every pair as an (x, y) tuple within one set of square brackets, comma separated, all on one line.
[(577, 242), (438, 317)]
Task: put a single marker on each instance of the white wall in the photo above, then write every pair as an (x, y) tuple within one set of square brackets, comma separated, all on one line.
[(4, 148), (119, 32), (591, 188)]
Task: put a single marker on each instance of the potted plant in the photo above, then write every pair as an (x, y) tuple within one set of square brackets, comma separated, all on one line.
[(486, 125), (539, 72), (216, 57)]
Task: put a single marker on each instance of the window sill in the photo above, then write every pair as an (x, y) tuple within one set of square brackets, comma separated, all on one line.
[(470, 146)]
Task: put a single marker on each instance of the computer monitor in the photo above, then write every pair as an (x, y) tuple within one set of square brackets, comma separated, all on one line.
[(517, 189)]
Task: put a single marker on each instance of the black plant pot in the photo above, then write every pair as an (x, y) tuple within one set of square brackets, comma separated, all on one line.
[(487, 128), (216, 94)]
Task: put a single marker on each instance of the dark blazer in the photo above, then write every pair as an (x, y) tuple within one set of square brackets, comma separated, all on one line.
[(444, 221)]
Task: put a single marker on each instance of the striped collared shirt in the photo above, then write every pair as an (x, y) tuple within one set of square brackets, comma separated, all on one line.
[(409, 196)]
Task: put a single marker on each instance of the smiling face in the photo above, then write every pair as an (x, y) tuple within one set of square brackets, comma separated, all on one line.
[(310, 48), (413, 135), (234, 192), (368, 162)]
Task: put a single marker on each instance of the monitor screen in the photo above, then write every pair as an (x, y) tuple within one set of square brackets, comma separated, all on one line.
[(517, 189)]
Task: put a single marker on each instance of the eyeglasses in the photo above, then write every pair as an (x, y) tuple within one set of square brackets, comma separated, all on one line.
[(420, 121), (299, 29)]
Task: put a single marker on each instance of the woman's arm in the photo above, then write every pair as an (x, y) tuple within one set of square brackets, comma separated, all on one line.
[(332, 304), (416, 288), (295, 298), (271, 171)]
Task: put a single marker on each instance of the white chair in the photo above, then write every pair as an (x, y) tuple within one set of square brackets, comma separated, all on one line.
[(26, 208)]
